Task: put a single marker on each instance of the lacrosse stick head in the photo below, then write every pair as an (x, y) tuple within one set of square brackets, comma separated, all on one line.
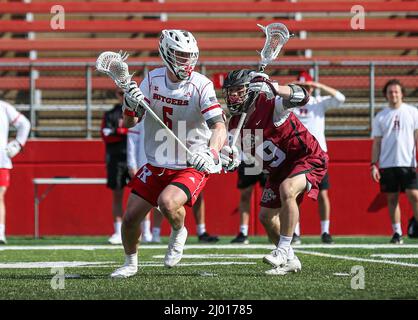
[(113, 64), (277, 35)]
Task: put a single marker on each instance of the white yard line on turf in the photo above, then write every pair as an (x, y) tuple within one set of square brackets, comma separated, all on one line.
[(208, 246), (79, 264), (54, 264), (396, 256), (192, 264), (218, 256), (342, 257)]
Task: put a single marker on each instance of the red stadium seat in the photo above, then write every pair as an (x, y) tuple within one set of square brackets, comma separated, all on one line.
[(213, 44), (211, 7)]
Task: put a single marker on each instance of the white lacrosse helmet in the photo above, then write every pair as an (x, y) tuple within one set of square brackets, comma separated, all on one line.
[(179, 51)]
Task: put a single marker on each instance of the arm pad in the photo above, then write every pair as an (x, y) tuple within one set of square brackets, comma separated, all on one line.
[(298, 96)]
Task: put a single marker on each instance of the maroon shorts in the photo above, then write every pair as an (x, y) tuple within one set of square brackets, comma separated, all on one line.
[(150, 181), (4, 177), (313, 168)]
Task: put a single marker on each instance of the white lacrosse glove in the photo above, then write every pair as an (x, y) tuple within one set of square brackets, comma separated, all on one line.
[(133, 99), (258, 84), (230, 158), (206, 161), (255, 74), (13, 148)]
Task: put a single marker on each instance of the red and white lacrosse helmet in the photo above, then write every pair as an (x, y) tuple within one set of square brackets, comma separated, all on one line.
[(179, 51)]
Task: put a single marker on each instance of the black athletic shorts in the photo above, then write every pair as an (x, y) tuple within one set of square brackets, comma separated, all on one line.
[(245, 181), (117, 171), (397, 179), (324, 184)]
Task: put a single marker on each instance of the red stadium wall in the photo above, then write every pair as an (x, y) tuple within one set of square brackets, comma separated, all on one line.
[(357, 206)]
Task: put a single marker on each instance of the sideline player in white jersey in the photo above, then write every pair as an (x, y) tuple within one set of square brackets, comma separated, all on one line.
[(9, 116), (312, 115), (395, 135), (186, 102)]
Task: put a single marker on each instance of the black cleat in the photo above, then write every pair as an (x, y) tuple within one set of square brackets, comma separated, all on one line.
[(207, 238), (240, 238), (296, 239), (396, 239), (326, 238)]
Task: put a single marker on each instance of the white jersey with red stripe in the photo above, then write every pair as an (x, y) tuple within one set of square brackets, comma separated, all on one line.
[(10, 116), (312, 115), (187, 107)]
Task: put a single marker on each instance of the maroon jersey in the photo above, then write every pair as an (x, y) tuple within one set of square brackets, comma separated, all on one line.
[(287, 147)]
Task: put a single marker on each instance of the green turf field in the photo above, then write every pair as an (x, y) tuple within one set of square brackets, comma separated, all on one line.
[(206, 272)]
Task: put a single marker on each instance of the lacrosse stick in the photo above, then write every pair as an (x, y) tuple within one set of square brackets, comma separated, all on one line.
[(277, 35), (113, 64)]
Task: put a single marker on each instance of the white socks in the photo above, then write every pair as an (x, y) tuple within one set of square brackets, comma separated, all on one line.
[(146, 228), (118, 227), (244, 229), (297, 229), (284, 243), (324, 226), (200, 229), (131, 259), (2, 230), (397, 228)]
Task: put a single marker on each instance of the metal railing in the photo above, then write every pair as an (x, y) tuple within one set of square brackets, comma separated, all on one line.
[(88, 67)]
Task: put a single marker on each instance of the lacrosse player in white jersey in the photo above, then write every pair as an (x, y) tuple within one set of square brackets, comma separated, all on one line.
[(312, 115), (9, 116), (395, 135), (186, 102)]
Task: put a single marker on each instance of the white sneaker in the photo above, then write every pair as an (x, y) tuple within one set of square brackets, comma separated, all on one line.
[(175, 247), (125, 271), (277, 258), (292, 265), (3, 239), (115, 239), (156, 239)]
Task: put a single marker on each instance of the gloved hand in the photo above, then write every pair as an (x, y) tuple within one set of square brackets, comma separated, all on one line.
[(258, 84), (132, 100), (230, 158), (255, 74), (13, 148), (206, 161)]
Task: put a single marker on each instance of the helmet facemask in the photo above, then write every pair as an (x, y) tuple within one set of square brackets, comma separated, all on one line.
[(235, 98), (182, 63)]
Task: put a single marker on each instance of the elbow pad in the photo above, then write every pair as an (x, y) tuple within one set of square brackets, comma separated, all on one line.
[(298, 96)]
